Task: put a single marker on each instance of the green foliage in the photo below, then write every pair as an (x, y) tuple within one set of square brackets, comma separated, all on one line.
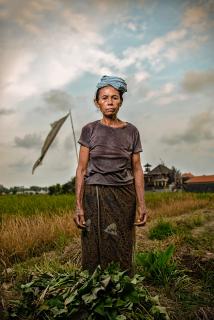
[(108, 294), (56, 204), (27, 205), (68, 187), (158, 266), (161, 230)]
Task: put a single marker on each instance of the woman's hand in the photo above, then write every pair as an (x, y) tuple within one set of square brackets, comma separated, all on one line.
[(142, 217), (79, 218)]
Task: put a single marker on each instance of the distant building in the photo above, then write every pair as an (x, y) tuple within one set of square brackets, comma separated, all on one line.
[(199, 184), (158, 178), (186, 176)]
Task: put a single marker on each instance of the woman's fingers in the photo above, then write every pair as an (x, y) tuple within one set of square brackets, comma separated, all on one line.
[(142, 220), (79, 221)]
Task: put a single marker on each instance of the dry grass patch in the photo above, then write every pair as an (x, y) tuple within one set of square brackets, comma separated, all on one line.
[(177, 207), (23, 237)]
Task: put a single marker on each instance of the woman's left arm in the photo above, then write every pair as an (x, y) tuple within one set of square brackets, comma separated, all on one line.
[(139, 187)]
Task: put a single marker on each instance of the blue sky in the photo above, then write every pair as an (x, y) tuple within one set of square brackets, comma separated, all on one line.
[(53, 53)]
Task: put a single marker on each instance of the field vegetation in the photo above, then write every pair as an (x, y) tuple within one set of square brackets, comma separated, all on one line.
[(174, 260)]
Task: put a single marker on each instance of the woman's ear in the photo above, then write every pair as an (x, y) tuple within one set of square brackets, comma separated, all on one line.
[(96, 104), (121, 102)]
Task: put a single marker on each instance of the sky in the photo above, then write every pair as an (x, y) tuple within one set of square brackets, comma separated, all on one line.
[(53, 53)]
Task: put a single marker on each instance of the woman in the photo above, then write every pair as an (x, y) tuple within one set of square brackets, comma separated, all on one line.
[(109, 183)]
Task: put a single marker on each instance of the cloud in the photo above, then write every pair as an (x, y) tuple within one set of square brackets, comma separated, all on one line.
[(141, 75), (165, 95), (195, 81), (197, 16), (29, 141), (78, 46), (200, 128), (153, 51), (58, 100), (4, 112), (69, 141), (45, 63), (21, 165)]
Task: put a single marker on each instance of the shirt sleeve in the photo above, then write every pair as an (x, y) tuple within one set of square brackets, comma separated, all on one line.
[(85, 136), (137, 147)]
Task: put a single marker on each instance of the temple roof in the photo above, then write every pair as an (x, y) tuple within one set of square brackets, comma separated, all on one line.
[(160, 169)]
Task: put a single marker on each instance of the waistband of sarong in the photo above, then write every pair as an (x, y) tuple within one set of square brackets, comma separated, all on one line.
[(129, 186)]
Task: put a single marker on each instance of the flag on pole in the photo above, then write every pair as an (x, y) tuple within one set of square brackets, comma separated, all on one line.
[(55, 127)]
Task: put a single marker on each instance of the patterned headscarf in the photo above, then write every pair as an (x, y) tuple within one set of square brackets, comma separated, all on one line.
[(116, 82)]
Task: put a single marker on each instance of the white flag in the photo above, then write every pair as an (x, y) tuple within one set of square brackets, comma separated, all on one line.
[(55, 127)]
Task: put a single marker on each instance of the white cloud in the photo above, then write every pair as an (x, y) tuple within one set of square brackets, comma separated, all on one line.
[(141, 76), (165, 95)]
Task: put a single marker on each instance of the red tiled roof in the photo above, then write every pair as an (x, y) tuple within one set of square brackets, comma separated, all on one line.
[(201, 179), (187, 175)]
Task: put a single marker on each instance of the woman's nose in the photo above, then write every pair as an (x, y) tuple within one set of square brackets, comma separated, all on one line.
[(110, 101)]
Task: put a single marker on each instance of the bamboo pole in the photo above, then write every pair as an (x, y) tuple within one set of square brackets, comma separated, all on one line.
[(74, 137)]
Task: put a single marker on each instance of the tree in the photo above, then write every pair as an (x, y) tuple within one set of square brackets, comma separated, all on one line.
[(55, 189), (175, 177), (69, 187)]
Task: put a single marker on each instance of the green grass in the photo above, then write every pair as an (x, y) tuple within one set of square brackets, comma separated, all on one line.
[(27, 205), (58, 204), (161, 230), (158, 266)]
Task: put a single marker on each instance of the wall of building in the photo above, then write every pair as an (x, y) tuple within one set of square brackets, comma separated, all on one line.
[(199, 187)]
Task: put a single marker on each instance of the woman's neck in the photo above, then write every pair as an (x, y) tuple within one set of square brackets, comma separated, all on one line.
[(112, 122)]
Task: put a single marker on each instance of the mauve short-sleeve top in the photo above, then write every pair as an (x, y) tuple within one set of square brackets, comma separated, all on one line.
[(110, 153)]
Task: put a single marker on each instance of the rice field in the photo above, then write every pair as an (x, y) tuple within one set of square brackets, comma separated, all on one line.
[(26, 205), (38, 233)]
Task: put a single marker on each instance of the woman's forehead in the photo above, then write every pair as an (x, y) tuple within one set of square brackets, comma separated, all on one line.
[(108, 90)]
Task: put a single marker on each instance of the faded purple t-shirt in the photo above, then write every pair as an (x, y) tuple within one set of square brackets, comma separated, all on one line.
[(110, 153)]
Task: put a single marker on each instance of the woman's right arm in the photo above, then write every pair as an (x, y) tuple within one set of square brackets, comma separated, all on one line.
[(80, 173)]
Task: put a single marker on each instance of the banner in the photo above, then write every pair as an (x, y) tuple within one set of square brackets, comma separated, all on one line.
[(55, 127)]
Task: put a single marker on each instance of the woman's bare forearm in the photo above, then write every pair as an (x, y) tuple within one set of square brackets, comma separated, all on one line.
[(80, 174), (139, 186), (79, 186)]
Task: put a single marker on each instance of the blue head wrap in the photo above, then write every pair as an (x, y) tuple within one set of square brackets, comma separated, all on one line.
[(116, 82)]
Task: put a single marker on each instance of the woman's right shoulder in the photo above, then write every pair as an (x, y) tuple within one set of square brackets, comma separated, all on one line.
[(90, 125)]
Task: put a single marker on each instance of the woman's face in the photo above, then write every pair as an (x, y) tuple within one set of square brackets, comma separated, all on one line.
[(109, 101)]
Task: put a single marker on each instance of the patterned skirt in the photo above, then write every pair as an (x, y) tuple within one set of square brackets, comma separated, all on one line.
[(110, 233)]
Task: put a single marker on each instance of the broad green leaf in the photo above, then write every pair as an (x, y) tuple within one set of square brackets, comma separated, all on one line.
[(120, 317)]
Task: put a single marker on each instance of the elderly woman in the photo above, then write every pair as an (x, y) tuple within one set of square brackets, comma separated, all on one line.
[(109, 183)]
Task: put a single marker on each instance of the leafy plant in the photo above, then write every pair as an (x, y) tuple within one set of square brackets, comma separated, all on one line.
[(158, 266), (161, 230), (108, 294)]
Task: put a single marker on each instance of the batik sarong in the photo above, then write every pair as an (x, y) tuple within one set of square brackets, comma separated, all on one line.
[(110, 233)]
